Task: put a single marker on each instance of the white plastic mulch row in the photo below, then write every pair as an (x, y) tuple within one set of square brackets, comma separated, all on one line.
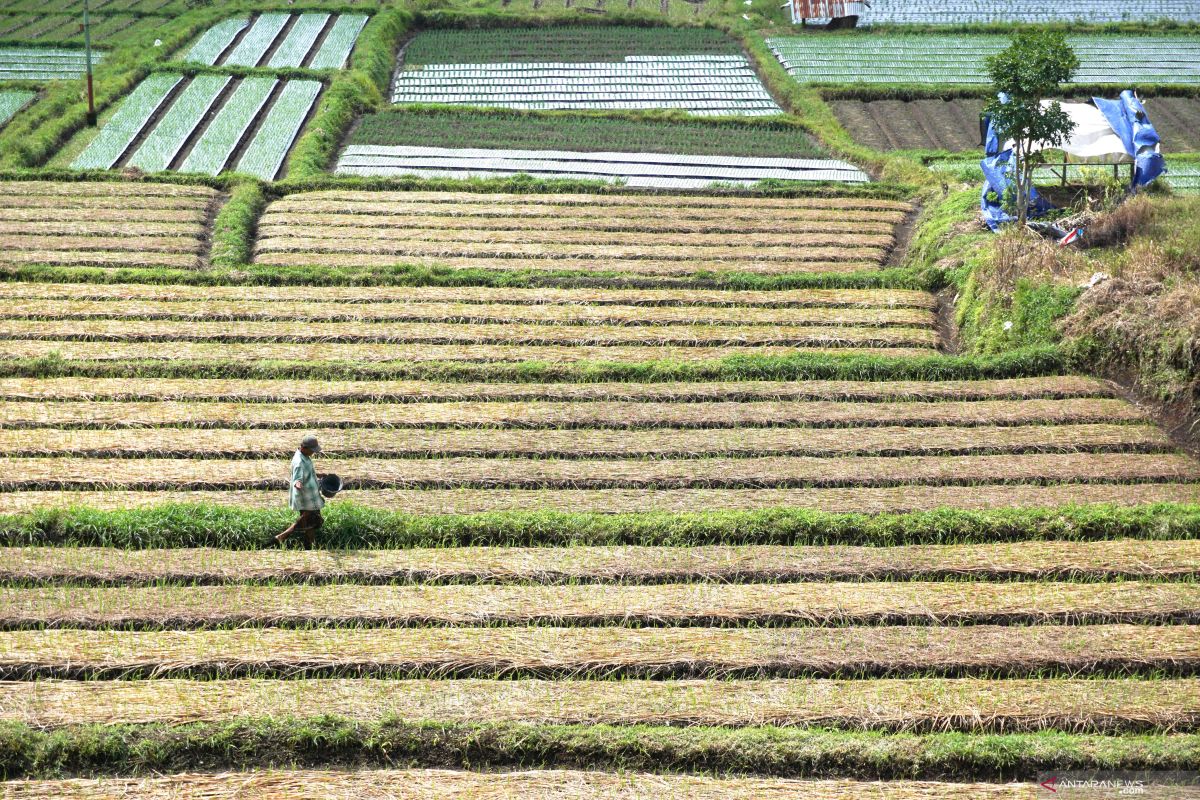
[(665, 170), (711, 85), (43, 64), (291, 49), (956, 12), (960, 59), (11, 102), (212, 147)]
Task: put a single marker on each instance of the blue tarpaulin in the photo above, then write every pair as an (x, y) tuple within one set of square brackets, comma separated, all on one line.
[(1129, 122)]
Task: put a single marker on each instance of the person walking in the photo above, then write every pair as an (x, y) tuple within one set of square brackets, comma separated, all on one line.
[(304, 494)]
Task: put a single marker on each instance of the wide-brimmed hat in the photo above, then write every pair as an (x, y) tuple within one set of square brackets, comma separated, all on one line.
[(310, 443)]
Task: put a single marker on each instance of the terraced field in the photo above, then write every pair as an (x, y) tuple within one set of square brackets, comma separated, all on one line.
[(105, 224), (593, 233), (958, 59), (954, 124), (204, 124), (959, 12), (274, 40), (695, 70), (43, 64)]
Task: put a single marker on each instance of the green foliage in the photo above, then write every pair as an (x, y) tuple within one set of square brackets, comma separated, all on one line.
[(233, 229), (285, 742), (1031, 69), (375, 51), (349, 94), (358, 527), (629, 132), (562, 43)]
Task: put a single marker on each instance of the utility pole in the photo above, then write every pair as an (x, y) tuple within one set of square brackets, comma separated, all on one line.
[(87, 46)]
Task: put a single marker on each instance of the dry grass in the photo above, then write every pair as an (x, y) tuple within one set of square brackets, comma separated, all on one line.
[(550, 414), (352, 201), (586, 443), (803, 604), (101, 258), (414, 353), (133, 243), (77, 189), (128, 204), (432, 784), (815, 260), (614, 501), (1049, 559), (547, 651), (92, 227), (929, 704), (337, 212), (519, 473), (715, 221), (53, 215), (598, 335), (783, 298), (1055, 387), (868, 248), (747, 243), (459, 313)]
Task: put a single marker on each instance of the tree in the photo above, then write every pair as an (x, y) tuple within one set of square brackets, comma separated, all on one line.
[(1030, 70)]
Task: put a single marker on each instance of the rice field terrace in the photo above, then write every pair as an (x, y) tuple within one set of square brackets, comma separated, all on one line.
[(699, 71), (116, 224), (954, 124), (694, 490), (204, 124), (590, 233), (901, 58)]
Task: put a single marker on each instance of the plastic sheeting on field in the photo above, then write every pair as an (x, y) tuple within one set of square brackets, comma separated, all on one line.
[(1106, 132)]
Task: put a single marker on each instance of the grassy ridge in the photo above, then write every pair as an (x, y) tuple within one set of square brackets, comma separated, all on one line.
[(348, 525), (321, 741)]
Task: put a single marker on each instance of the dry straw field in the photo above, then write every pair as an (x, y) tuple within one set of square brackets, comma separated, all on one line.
[(105, 224), (647, 236), (596, 539)]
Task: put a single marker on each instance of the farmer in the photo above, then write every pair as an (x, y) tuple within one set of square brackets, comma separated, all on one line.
[(304, 495)]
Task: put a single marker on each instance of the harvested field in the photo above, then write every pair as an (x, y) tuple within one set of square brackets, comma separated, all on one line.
[(954, 124), (616, 501), (1126, 558), (427, 784), (792, 604), (71, 350), (609, 651), (587, 443), (154, 224), (257, 391), (551, 414), (1095, 705), (549, 473), (296, 225), (784, 298), (537, 335), (475, 314)]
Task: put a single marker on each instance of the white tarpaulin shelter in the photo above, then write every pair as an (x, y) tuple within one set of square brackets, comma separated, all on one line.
[(1093, 139)]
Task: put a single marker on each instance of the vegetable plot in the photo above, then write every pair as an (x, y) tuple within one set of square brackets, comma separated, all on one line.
[(123, 128), (335, 33), (905, 58), (265, 155), (168, 137), (43, 64), (966, 12), (213, 149), (11, 102)]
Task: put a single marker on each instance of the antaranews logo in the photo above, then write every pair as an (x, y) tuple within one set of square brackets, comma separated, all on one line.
[(1050, 784)]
